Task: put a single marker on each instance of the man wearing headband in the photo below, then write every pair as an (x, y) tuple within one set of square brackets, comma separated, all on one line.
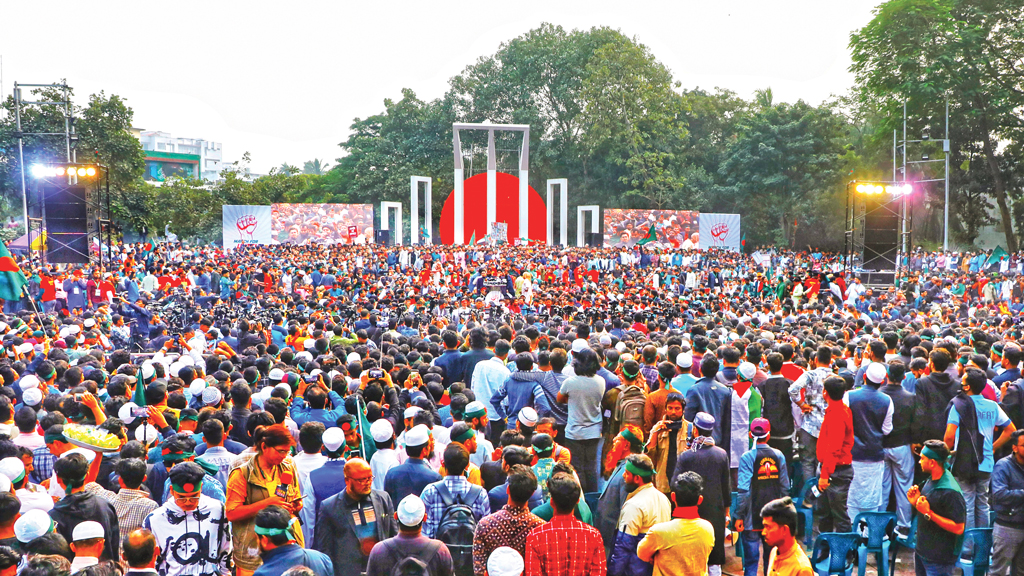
[(763, 477), (941, 513), (278, 548), (186, 519), (644, 508)]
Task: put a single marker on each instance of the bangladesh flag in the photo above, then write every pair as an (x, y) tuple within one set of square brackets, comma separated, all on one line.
[(652, 236), (12, 280), (472, 239)]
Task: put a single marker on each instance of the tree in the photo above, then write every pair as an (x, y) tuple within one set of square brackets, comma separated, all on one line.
[(286, 168), (314, 166)]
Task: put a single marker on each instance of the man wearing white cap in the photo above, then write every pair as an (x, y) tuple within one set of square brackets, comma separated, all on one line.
[(413, 475), (32, 496), (329, 479), (505, 561), (410, 548), (685, 379), (386, 457), (87, 544), (872, 421)]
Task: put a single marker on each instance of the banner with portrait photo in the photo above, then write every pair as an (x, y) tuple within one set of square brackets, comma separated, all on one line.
[(246, 225), (673, 228), (322, 223), (721, 231)]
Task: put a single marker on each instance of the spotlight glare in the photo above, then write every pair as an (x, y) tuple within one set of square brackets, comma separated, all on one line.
[(860, 188), (90, 171), (38, 171), (81, 171), (58, 171)]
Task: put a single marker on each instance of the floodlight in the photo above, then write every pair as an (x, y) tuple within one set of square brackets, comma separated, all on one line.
[(38, 171), (90, 171), (81, 171), (860, 188)]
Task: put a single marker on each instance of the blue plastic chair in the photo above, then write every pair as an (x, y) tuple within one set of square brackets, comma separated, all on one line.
[(981, 556), (839, 556), (733, 506), (909, 542), (879, 527), (796, 478), (806, 513)]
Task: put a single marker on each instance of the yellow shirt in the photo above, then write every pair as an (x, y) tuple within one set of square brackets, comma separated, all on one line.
[(679, 546), (794, 563), (472, 474)]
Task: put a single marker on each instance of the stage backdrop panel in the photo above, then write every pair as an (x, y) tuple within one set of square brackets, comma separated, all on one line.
[(322, 223), (246, 225), (675, 228), (720, 231)]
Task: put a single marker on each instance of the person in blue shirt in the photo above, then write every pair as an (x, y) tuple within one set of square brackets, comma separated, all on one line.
[(412, 476), (275, 531), (310, 403), (329, 479), (512, 456), (988, 415)]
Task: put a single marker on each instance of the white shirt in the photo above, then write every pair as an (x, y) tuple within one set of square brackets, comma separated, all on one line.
[(381, 462), (488, 376), (304, 464)]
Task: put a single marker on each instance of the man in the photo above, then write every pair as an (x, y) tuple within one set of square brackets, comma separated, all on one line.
[(763, 477), (218, 455), (516, 392), (746, 407), (644, 508), (131, 503), (509, 525), (448, 360), (711, 397), (410, 549), (710, 462), (933, 393), (187, 518), (454, 487), (1008, 502), (329, 479), (899, 458), (564, 546), (463, 435), (412, 476), (87, 544), (512, 456), (31, 496), (140, 553), (667, 441), (970, 426), (475, 415), (787, 557), (350, 524), (486, 374), (681, 545), (385, 457), (278, 548), (778, 407), (872, 413), (941, 513), (834, 451), (79, 506), (311, 439), (807, 392)]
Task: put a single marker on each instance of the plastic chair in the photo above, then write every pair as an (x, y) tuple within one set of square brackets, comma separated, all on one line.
[(842, 549), (981, 557), (807, 514), (734, 505), (591, 499), (909, 542), (879, 526), (796, 479)]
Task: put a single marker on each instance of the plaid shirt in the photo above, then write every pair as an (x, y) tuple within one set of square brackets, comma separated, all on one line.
[(132, 507), (567, 547), (42, 461), (506, 527), (458, 486)]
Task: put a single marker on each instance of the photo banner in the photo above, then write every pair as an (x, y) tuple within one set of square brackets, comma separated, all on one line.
[(322, 223), (673, 228), (721, 231), (246, 225)]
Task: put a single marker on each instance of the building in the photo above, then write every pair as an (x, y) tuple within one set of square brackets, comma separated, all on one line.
[(168, 156)]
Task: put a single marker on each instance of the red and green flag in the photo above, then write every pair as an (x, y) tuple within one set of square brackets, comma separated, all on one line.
[(12, 280), (652, 236)]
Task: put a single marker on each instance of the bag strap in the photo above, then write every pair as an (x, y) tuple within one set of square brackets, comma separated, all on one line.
[(446, 496)]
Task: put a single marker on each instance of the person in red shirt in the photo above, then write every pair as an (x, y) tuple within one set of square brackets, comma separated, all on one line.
[(835, 453), (49, 291), (565, 546), (790, 371)]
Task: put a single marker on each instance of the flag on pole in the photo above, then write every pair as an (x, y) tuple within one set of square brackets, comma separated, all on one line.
[(652, 236), (12, 280), (743, 240), (472, 239)]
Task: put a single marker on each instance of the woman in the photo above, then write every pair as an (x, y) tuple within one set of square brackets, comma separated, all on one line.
[(266, 479)]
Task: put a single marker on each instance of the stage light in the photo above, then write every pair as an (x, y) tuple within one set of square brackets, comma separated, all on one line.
[(38, 171), (860, 188), (90, 171), (58, 171), (81, 171)]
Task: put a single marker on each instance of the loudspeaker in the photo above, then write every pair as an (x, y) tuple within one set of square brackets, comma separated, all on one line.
[(382, 237), (881, 233), (594, 239), (67, 224)]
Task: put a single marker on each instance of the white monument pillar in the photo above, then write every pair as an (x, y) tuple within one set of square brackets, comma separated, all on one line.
[(563, 210), (492, 182), (385, 209), (595, 225), (414, 203), (524, 189), (459, 216)]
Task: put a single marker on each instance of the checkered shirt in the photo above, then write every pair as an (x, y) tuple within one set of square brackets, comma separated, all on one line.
[(565, 546), (132, 507), (458, 486)]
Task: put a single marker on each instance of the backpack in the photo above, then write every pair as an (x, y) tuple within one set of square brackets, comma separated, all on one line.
[(629, 406), (411, 565), (457, 527)]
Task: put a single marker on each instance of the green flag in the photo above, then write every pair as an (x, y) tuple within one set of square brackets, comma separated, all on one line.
[(472, 239), (652, 236), (997, 255), (367, 446), (139, 397), (12, 280)]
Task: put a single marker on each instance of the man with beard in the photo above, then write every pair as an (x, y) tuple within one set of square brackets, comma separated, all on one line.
[(712, 464), (644, 508), (351, 523), (666, 442)]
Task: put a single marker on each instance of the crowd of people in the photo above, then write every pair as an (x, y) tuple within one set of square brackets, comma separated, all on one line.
[(363, 409)]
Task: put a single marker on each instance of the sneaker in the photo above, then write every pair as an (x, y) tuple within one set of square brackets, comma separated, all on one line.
[(902, 533)]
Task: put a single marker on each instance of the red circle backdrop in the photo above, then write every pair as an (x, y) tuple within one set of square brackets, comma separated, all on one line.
[(475, 209)]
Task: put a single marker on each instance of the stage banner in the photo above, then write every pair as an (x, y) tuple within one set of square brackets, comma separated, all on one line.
[(246, 225), (720, 231), (673, 228), (322, 223)]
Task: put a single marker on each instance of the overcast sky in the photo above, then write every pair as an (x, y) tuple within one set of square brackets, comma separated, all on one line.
[(283, 80)]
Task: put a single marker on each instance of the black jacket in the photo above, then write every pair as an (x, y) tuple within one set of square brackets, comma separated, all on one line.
[(335, 533), (712, 464), (778, 407), (79, 507), (933, 394), (902, 416)]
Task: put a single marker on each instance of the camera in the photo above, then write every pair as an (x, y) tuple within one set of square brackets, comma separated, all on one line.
[(140, 412)]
